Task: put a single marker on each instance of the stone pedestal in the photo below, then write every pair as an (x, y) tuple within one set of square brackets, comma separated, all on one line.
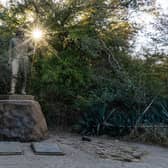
[(21, 118)]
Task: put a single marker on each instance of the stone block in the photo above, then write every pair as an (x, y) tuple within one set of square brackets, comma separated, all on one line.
[(22, 120), (10, 148), (16, 97), (44, 148)]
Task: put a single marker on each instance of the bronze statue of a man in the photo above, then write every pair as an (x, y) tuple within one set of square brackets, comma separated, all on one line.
[(19, 53)]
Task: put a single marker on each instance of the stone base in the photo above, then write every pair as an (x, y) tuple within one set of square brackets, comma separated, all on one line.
[(16, 97), (21, 119)]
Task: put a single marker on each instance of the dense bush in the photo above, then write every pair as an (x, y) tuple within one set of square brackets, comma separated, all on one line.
[(115, 119), (99, 120), (84, 67)]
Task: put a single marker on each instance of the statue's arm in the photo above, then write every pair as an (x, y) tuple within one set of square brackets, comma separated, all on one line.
[(31, 49), (32, 52)]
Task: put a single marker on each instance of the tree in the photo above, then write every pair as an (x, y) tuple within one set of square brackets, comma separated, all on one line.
[(83, 58)]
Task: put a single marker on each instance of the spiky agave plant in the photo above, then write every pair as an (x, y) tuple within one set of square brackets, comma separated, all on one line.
[(99, 120)]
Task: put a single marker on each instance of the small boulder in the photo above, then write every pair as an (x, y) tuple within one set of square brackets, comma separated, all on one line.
[(85, 138)]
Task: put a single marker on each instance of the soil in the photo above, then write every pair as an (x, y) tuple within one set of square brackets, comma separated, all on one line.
[(102, 152)]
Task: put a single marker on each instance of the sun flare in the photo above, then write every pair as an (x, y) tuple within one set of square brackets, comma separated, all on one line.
[(37, 34)]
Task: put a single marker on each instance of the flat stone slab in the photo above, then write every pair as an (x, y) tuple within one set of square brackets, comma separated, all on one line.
[(43, 148), (16, 97), (10, 148)]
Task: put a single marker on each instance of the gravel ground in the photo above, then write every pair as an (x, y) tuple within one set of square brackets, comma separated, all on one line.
[(101, 152)]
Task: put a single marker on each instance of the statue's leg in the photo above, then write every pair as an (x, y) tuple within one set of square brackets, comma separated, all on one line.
[(25, 67), (15, 69)]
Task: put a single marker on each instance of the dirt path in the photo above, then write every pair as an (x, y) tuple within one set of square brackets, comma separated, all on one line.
[(99, 153)]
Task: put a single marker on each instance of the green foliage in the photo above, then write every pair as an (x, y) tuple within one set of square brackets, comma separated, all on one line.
[(119, 119), (84, 64), (66, 74), (99, 120)]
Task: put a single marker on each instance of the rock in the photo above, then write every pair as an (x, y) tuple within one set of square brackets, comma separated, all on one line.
[(85, 138), (137, 155), (22, 120)]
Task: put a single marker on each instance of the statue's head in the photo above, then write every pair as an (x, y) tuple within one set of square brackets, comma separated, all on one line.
[(19, 33)]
